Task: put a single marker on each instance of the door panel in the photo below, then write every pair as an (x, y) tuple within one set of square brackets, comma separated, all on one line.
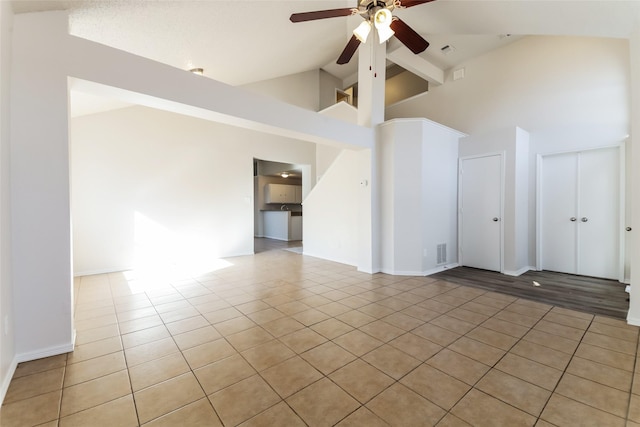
[(559, 199), (598, 238), (585, 186), (480, 203)]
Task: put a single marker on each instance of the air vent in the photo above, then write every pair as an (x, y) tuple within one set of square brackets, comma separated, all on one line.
[(441, 250), (447, 49)]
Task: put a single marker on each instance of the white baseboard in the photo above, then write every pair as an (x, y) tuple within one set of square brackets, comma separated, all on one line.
[(402, 273), (26, 357), (305, 252), (518, 272), (101, 271), (4, 385), (47, 352), (419, 273), (440, 268), (635, 321)]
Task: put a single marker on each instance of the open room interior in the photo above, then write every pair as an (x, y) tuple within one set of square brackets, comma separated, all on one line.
[(156, 263)]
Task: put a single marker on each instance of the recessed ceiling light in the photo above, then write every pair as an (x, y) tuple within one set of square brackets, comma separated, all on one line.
[(284, 175), (199, 71)]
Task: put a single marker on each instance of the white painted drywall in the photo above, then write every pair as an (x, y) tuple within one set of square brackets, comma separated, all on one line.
[(7, 333), (562, 90), (331, 219), (328, 85), (40, 182), (40, 211), (633, 316), (301, 89), (191, 180), (326, 154), (419, 161), (568, 93)]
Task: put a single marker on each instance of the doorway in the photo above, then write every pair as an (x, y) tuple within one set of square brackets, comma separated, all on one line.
[(278, 193), (480, 207), (579, 211)]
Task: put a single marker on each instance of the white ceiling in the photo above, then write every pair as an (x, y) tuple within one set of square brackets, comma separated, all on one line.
[(243, 41)]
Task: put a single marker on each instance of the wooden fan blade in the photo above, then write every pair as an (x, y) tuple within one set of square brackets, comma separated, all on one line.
[(411, 3), (320, 14), (408, 36), (349, 50)]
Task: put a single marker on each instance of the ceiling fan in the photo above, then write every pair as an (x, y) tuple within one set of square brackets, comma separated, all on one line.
[(376, 13)]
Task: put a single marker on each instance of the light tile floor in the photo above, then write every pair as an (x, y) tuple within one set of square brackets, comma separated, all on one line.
[(281, 339)]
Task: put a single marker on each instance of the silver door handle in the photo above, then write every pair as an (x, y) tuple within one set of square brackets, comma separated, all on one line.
[(572, 219), (584, 219), (495, 219)]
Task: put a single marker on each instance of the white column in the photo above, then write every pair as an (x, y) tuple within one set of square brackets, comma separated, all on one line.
[(40, 191), (372, 63), (633, 317)]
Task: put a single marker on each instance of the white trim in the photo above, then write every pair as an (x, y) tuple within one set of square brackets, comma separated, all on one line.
[(622, 220), (101, 271), (429, 272), (635, 321), (440, 268), (4, 386), (48, 352), (339, 261), (402, 273), (518, 272)]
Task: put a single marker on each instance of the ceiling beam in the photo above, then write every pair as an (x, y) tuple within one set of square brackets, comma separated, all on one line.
[(417, 65)]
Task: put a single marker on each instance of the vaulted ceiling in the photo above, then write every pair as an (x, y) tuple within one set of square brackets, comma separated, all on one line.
[(243, 41)]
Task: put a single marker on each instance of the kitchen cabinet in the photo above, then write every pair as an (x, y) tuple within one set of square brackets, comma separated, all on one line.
[(282, 193), (282, 225)]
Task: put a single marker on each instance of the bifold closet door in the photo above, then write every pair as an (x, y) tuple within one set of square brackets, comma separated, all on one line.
[(580, 213)]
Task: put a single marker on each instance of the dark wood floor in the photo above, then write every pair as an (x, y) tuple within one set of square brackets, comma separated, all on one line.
[(593, 295)]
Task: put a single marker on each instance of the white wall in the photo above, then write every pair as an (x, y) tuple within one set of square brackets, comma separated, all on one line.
[(328, 85), (326, 154), (633, 152), (568, 93), (419, 161), (7, 348), (302, 89), (40, 212), (332, 224), (41, 263), (187, 181), (562, 90)]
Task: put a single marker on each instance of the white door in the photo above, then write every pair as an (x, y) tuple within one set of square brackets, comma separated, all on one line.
[(559, 214), (580, 213), (599, 217), (480, 212)]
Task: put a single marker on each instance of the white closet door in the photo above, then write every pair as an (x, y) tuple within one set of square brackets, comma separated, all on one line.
[(559, 189), (580, 213), (480, 204), (598, 238)]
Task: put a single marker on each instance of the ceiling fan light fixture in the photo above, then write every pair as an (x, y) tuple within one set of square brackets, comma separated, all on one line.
[(382, 20), (362, 31), (384, 34)]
